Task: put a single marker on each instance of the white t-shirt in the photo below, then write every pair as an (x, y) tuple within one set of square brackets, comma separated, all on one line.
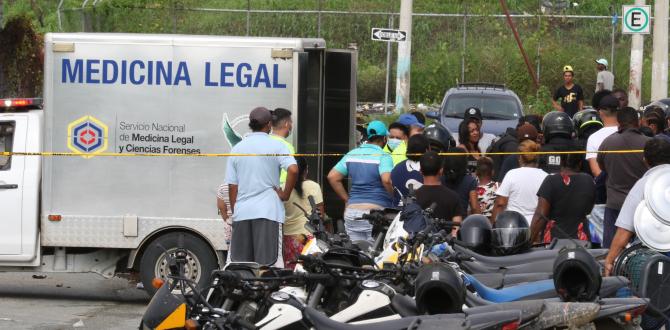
[(606, 78), (520, 185), (596, 139)]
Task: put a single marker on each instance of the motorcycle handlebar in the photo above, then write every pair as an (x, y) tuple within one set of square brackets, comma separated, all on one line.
[(318, 277)]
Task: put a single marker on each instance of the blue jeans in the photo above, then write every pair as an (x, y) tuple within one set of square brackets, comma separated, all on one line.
[(358, 230), (609, 227)]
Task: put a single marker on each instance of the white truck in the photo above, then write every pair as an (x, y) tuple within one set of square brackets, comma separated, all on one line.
[(99, 178)]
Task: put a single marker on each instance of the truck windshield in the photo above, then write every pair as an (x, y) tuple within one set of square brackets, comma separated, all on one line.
[(498, 107), (6, 137)]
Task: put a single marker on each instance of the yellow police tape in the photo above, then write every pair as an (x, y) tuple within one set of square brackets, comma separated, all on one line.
[(117, 154)]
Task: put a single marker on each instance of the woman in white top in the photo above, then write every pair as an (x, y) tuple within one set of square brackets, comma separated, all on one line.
[(518, 191)]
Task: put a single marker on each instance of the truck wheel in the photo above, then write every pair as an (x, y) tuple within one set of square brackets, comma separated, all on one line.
[(201, 260)]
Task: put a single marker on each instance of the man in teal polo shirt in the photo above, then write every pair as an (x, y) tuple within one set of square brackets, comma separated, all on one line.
[(369, 168)]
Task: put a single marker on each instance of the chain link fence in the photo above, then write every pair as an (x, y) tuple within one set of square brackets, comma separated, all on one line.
[(447, 47)]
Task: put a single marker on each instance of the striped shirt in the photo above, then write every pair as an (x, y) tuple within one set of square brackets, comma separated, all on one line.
[(365, 165)]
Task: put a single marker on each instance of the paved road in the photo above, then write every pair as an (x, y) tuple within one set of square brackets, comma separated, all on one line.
[(69, 301)]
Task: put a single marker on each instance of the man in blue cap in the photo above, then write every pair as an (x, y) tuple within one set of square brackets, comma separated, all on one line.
[(369, 168), (399, 133)]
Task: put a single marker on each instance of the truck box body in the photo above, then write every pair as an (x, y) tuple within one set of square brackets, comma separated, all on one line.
[(150, 95), (166, 95)]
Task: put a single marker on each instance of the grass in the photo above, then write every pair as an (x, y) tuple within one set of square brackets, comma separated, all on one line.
[(490, 53)]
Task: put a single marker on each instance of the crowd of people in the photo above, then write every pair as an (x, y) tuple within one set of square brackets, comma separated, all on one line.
[(553, 190)]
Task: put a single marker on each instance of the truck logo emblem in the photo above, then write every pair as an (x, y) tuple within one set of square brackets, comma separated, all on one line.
[(87, 135), (228, 128)]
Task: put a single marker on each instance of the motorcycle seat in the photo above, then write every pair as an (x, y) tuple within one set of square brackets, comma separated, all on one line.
[(447, 321), (500, 280), (518, 259), (529, 309), (536, 290), (539, 266), (532, 290), (611, 285), (404, 305)]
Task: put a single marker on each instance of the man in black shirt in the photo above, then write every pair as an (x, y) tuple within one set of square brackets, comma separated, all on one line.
[(448, 206), (564, 199), (559, 133), (623, 170), (570, 94)]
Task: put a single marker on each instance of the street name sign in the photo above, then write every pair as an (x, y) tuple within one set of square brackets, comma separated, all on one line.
[(636, 19), (381, 34)]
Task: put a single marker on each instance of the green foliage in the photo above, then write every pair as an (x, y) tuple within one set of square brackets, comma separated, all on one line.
[(371, 83), (20, 59), (540, 103), (387, 119), (490, 53)]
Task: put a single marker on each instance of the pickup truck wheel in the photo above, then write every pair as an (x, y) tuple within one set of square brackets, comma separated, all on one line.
[(201, 260)]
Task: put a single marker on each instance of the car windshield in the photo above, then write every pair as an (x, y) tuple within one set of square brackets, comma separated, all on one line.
[(499, 107)]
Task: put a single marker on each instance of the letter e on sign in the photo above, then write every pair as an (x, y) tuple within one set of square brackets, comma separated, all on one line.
[(636, 20)]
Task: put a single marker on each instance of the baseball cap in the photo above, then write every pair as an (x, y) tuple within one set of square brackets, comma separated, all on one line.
[(261, 115), (602, 61), (376, 128), (472, 112), (408, 120), (568, 68), (609, 102), (526, 132)]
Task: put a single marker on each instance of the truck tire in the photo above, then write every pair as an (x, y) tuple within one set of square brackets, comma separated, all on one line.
[(201, 260)]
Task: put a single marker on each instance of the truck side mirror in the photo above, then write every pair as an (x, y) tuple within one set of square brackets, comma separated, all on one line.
[(433, 115)]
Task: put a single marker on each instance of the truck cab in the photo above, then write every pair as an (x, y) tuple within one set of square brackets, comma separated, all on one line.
[(20, 132)]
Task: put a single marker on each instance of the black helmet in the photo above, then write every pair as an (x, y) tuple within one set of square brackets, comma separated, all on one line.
[(439, 290), (475, 232), (587, 121), (557, 123), (510, 233), (439, 137), (576, 275)]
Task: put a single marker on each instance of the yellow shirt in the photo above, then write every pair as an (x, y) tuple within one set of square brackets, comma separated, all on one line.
[(282, 176), (295, 217), (399, 153)]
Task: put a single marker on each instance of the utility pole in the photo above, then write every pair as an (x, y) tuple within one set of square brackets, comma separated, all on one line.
[(659, 64), (635, 74), (404, 58), (388, 70), (531, 72)]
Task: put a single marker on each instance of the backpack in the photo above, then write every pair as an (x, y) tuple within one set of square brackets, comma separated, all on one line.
[(413, 218), (500, 145)]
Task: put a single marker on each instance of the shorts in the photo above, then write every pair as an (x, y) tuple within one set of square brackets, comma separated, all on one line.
[(257, 240)]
